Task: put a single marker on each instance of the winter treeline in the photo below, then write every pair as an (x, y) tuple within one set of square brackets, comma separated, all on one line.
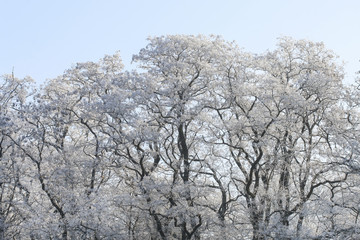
[(203, 141)]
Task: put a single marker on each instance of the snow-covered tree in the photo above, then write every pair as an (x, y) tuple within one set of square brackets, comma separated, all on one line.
[(13, 194), (202, 141)]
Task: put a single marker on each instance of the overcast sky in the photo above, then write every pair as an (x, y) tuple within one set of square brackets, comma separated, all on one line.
[(43, 38)]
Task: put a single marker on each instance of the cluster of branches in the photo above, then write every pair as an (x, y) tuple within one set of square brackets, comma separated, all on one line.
[(205, 141)]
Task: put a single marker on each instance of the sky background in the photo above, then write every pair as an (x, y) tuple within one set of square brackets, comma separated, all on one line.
[(41, 39)]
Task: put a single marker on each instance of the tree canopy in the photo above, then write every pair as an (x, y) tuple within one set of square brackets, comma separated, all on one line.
[(202, 141)]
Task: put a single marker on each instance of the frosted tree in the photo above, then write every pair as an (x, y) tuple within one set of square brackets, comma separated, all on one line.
[(277, 119), (180, 73), (13, 94), (62, 145)]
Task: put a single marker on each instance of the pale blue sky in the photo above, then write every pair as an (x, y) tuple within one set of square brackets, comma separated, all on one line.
[(43, 38)]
